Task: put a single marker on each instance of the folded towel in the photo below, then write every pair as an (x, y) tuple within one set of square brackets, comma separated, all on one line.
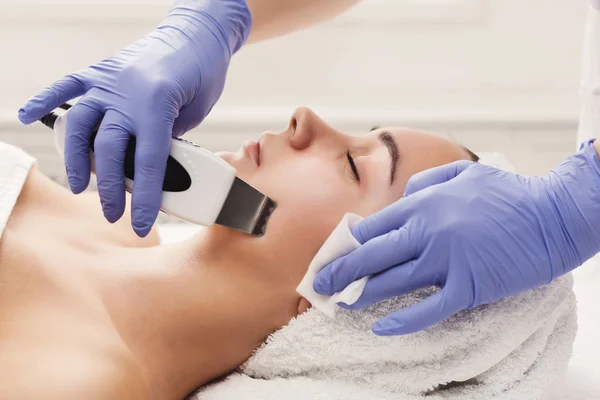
[(14, 168), (511, 349)]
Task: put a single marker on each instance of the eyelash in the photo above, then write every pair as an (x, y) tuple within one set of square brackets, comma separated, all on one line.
[(353, 166)]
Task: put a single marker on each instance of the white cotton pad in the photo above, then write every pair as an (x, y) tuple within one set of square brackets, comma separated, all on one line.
[(339, 243)]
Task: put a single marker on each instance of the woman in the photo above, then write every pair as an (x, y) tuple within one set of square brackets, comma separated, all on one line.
[(91, 311)]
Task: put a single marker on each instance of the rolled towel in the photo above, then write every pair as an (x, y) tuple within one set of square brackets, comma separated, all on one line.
[(511, 349)]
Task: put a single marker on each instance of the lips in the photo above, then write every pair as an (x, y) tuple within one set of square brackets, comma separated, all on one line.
[(252, 148)]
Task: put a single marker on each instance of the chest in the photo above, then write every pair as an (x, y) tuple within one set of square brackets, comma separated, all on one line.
[(56, 331)]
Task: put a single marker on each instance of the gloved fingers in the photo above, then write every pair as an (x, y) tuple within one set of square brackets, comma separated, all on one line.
[(50, 98), (435, 176), (110, 149), (151, 154), (382, 222), (376, 255), (188, 118), (429, 311), (396, 281), (397, 214), (82, 119)]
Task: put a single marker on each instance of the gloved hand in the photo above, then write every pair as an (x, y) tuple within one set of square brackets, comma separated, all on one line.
[(162, 85), (477, 233)]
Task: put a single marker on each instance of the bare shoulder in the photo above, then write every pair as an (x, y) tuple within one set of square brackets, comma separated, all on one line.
[(42, 196), (51, 374)]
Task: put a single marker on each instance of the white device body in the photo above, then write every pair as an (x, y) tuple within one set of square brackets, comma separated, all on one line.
[(211, 178)]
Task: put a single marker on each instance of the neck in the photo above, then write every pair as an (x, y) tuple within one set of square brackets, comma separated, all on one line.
[(193, 311)]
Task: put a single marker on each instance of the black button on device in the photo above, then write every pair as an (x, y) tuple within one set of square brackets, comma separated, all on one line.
[(177, 179)]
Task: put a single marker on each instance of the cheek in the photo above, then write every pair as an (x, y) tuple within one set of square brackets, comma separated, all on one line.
[(312, 197), (306, 183)]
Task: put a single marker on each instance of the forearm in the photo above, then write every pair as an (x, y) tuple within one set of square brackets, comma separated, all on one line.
[(597, 147), (272, 18)]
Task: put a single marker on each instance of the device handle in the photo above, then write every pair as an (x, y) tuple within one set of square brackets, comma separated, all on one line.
[(196, 182)]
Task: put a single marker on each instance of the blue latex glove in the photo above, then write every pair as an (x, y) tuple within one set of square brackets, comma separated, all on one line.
[(477, 233), (162, 85)]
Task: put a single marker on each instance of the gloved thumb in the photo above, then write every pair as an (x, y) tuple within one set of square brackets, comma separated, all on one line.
[(430, 311), (435, 176)]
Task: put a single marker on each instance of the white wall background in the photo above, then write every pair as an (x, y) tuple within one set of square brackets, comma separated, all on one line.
[(496, 75)]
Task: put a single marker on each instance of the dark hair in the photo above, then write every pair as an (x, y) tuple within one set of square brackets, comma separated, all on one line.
[(472, 156)]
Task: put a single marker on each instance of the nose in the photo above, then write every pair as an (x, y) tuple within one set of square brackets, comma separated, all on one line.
[(306, 128)]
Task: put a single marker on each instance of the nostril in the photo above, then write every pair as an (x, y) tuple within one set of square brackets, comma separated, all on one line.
[(293, 125)]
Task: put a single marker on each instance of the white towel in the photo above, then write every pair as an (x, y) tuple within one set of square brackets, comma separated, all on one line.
[(511, 349), (14, 168)]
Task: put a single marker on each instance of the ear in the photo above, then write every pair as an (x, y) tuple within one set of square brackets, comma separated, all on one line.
[(303, 305)]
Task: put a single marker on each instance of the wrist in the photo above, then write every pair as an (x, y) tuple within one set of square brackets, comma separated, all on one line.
[(229, 21), (573, 193)]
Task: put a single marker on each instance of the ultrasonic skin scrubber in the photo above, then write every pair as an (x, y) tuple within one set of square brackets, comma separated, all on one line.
[(199, 187)]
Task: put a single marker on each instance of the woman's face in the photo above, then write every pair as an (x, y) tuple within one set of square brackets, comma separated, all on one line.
[(307, 170)]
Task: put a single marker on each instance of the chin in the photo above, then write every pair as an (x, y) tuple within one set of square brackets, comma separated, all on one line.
[(230, 158), (226, 156)]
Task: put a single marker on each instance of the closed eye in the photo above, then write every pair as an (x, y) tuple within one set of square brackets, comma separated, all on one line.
[(353, 166)]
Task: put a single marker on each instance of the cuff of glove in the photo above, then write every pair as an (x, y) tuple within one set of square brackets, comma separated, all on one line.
[(588, 151), (230, 20), (575, 196)]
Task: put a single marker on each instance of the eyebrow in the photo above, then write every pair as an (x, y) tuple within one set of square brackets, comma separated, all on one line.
[(388, 140)]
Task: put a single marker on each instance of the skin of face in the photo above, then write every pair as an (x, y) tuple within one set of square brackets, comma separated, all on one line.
[(306, 170)]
